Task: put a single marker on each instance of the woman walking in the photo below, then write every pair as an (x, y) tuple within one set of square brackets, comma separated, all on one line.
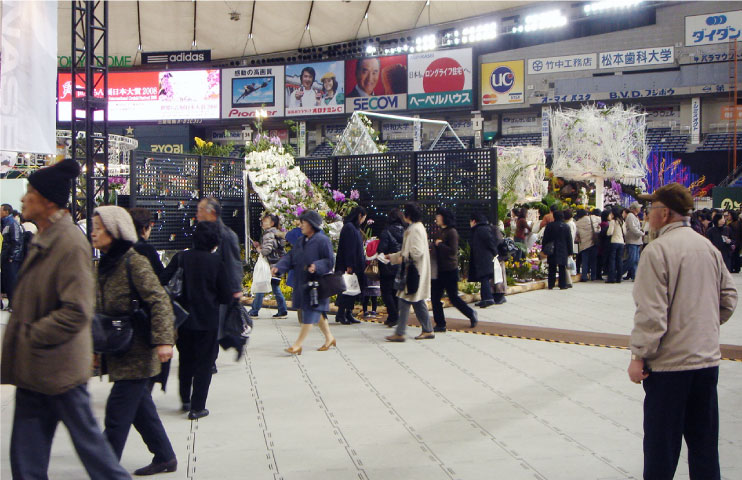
[(483, 252), (446, 250), (558, 235), (124, 275), (205, 288), (616, 232), (351, 259), (309, 259), (271, 246), (390, 241), (414, 251)]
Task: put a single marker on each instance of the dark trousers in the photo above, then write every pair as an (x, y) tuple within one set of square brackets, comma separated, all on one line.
[(197, 350), (448, 282), (130, 403), (486, 290), (345, 304), (389, 296), (552, 275), (589, 264), (34, 423), (9, 274), (677, 405), (615, 262)]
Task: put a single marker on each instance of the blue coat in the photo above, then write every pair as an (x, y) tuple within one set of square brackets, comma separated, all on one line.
[(316, 250)]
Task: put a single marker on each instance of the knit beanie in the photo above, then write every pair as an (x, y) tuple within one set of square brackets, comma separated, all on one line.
[(313, 218), (53, 182), (118, 222)]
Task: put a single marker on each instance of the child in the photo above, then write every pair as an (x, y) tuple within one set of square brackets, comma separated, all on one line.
[(373, 287)]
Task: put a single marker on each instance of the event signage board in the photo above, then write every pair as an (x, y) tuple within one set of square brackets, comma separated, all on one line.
[(568, 63), (728, 198), (502, 83), (245, 91), (695, 121), (315, 89), (397, 130), (638, 57), (513, 123), (545, 114), (439, 79), (711, 28), (152, 95), (376, 83), (176, 57)]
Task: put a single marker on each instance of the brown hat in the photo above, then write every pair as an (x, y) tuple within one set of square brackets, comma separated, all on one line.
[(674, 196)]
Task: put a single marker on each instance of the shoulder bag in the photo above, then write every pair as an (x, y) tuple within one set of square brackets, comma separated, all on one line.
[(330, 284), (372, 270), (176, 289)]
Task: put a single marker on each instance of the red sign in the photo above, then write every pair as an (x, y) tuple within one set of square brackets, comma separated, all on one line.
[(728, 113)]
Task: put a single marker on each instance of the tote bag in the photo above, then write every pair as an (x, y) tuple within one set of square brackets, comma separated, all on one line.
[(352, 287)]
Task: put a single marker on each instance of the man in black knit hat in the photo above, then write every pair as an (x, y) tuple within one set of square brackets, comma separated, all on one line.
[(47, 347)]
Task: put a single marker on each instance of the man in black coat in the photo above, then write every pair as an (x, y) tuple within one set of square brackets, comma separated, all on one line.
[(390, 241), (483, 250), (351, 259), (558, 234)]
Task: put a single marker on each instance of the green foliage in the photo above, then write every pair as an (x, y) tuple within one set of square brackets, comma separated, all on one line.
[(464, 258), (211, 149)]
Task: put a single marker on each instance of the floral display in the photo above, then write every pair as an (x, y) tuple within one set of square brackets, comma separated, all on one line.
[(520, 174), (529, 268), (359, 138), (210, 149)]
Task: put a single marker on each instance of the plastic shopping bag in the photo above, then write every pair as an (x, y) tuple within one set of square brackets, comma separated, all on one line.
[(261, 277), (352, 287), (571, 266), (499, 274)]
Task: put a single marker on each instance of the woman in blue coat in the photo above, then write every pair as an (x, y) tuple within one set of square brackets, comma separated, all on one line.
[(310, 258)]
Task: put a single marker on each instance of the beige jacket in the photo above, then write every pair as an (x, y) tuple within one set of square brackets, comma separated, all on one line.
[(585, 230), (415, 246), (683, 293), (617, 231)]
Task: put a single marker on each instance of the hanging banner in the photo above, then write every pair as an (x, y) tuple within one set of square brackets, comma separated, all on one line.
[(502, 83), (440, 79), (245, 91), (376, 83), (638, 57), (28, 77), (545, 114), (302, 139), (713, 28), (315, 89), (695, 121)]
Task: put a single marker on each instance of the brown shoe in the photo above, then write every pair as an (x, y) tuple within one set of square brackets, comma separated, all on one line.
[(395, 338), (425, 336)]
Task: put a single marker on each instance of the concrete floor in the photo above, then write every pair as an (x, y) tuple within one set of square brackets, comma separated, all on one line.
[(462, 406)]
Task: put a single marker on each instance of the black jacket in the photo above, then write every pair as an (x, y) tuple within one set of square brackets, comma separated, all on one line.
[(204, 284), (350, 252), (390, 241), (483, 250), (447, 252), (150, 253), (229, 251), (12, 240), (715, 234), (559, 233)]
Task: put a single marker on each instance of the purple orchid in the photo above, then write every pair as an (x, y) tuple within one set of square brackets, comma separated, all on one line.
[(354, 195), (283, 171), (338, 196), (299, 210), (308, 182), (331, 215)]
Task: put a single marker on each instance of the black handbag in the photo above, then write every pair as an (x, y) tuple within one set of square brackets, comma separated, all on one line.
[(237, 328), (408, 278), (330, 284), (113, 334), (548, 248)]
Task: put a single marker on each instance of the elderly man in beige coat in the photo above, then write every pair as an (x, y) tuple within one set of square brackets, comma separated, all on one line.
[(415, 251), (47, 347), (683, 293)]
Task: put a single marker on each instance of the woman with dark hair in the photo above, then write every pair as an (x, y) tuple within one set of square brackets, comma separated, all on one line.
[(558, 234), (616, 232), (390, 241), (271, 246), (522, 229), (351, 259), (736, 235), (446, 251), (604, 244), (414, 251), (483, 252), (721, 236), (204, 289), (143, 222), (310, 258)]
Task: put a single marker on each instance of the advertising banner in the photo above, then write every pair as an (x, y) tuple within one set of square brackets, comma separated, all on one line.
[(27, 78), (727, 197), (502, 83), (638, 57), (315, 89), (569, 63), (662, 116), (376, 83), (513, 123), (545, 114), (152, 95), (175, 57), (439, 79), (695, 121), (396, 130), (713, 28), (245, 91)]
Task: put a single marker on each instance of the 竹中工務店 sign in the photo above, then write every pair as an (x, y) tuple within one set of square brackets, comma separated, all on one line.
[(638, 57), (439, 79), (246, 91), (502, 83), (568, 63), (376, 83), (710, 28)]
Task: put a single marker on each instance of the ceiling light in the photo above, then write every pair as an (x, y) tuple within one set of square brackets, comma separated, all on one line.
[(606, 5)]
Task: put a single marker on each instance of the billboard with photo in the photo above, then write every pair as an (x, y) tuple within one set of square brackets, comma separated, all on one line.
[(246, 90), (315, 89), (376, 83), (439, 79), (502, 83), (151, 95)]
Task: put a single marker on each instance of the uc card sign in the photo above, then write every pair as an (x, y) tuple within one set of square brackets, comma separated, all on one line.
[(502, 83)]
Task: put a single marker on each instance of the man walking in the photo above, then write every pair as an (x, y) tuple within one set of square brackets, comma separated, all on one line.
[(634, 240), (683, 293), (12, 251), (47, 348)]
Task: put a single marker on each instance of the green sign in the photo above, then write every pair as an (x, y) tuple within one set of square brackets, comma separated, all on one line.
[(113, 61), (727, 197)]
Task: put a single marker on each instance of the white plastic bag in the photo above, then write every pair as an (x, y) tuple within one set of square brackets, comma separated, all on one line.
[(571, 266), (352, 287), (261, 277), (499, 274)]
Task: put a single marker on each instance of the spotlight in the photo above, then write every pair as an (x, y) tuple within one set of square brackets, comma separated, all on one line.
[(606, 5)]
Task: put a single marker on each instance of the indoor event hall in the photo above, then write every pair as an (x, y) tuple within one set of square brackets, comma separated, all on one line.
[(370, 240)]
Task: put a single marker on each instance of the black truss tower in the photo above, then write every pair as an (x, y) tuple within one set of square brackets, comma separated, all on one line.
[(90, 97)]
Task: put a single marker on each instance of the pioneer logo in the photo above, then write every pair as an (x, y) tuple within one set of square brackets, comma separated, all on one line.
[(186, 56)]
